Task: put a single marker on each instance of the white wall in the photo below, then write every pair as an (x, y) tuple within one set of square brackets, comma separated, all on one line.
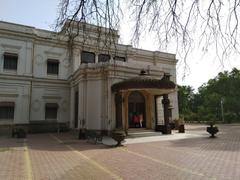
[(44, 52), (24, 51), (96, 101), (17, 92), (94, 104), (15, 85), (42, 94)]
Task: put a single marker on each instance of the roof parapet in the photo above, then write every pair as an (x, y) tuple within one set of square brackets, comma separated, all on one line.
[(80, 28)]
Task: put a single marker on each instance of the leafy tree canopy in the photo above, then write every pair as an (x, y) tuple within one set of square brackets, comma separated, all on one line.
[(218, 99)]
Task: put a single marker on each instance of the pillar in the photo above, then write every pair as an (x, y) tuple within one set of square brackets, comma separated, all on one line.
[(72, 107), (166, 102)]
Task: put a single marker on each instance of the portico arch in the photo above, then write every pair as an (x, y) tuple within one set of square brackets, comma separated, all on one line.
[(136, 110), (147, 108), (142, 89)]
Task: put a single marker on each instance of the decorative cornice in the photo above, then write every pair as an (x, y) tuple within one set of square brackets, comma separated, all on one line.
[(50, 96), (8, 95), (60, 38)]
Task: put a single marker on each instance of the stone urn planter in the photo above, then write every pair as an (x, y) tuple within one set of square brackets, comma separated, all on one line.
[(212, 130), (181, 128), (119, 136)]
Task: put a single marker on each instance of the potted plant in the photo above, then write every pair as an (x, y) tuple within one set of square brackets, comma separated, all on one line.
[(181, 127), (118, 135), (212, 130)]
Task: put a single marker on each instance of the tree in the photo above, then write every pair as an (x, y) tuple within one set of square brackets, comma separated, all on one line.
[(206, 104), (184, 24), (225, 87), (185, 99)]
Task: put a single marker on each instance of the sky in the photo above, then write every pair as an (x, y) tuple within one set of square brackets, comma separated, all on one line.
[(43, 13)]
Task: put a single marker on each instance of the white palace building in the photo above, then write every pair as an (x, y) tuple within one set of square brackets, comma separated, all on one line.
[(48, 83)]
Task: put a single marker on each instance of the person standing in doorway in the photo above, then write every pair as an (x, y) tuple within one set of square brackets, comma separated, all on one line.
[(141, 120), (136, 120)]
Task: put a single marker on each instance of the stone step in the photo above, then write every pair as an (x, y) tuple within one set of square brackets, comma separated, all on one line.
[(135, 133)]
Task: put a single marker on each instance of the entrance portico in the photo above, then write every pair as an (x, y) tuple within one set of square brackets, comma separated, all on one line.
[(136, 97), (145, 110)]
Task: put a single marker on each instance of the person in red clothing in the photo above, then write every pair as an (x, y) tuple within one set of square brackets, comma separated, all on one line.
[(136, 120)]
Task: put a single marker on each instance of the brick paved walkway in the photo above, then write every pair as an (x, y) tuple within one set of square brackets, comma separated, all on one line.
[(61, 156)]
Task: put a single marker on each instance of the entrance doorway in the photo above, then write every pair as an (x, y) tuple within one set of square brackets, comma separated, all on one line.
[(136, 110)]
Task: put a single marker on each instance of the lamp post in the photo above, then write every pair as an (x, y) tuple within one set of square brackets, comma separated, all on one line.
[(222, 112)]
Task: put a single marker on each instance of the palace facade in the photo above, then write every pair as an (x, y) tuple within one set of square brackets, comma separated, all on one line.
[(45, 81)]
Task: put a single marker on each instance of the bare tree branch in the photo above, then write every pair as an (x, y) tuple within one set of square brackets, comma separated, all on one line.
[(179, 23)]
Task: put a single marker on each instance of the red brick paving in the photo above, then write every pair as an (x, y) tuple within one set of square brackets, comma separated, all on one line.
[(61, 156), (12, 159)]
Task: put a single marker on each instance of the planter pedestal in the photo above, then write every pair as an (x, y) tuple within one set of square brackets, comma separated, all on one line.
[(212, 130), (181, 129), (119, 137)]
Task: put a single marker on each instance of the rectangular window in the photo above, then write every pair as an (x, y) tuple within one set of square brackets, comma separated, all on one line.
[(10, 61), (52, 66), (119, 58), (87, 57), (103, 58), (51, 111), (6, 110)]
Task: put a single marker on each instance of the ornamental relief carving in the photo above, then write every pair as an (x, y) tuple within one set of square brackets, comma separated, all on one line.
[(66, 63), (39, 59), (36, 105), (11, 48), (64, 105)]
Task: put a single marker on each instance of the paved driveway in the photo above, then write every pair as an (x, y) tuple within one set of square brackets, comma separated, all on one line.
[(180, 156)]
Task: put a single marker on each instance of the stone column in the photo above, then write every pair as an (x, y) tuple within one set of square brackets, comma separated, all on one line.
[(76, 59), (82, 109), (125, 111), (166, 102), (118, 111), (29, 58), (72, 108)]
